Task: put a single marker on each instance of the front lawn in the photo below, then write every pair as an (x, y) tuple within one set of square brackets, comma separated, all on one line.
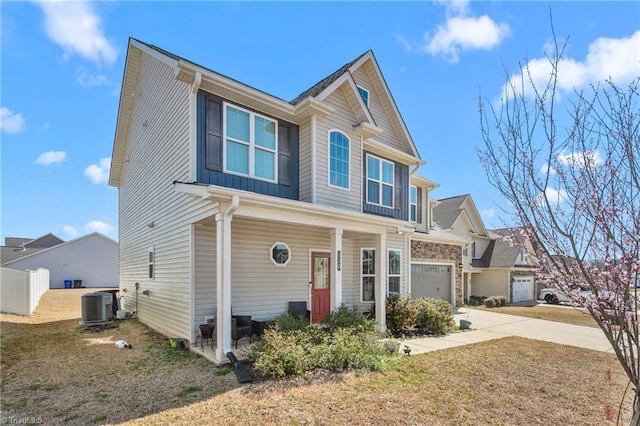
[(563, 314)]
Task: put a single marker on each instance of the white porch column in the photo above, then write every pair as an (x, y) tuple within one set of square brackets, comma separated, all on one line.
[(223, 286), (381, 281), (336, 268)]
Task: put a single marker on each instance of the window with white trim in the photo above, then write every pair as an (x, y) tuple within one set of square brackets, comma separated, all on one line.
[(380, 176), (152, 263), (339, 155), (364, 93), (523, 254), (413, 203), (368, 275), (250, 144), (280, 254), (393, 281)]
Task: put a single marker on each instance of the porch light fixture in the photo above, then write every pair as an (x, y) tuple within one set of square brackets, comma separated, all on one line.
[(280, 254)]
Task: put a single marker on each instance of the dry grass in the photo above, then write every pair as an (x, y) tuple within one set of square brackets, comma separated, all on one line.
[(563, 314), (54, 371)]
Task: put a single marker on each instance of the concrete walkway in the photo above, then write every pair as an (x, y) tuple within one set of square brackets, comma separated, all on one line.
[(487, 325)]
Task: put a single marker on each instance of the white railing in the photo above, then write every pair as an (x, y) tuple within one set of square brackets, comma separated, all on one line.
[(20, 291)]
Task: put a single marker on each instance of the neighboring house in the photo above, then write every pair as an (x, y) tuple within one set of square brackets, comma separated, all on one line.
[(233, 199), (92, 258), (15, 248), (495, 262)]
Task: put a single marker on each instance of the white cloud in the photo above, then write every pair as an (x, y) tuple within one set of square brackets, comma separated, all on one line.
[(465, 33), (546, 169), (488, 213), (51, 157), (98, 226), (556, 196), (69, 231), (99, 173), (89, 80), (78, 30), (11, 122), (580, 159), (454, 7), (615, 58)]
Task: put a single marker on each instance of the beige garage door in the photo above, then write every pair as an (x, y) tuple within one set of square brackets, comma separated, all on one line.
[(431, 281)]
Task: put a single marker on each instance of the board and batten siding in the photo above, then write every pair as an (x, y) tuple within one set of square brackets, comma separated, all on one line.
[(380, 110), (342, 120), (152, 213)]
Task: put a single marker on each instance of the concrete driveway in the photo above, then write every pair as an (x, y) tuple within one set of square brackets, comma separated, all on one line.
[(487, 325)]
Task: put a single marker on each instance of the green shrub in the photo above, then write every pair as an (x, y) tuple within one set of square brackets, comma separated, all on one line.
[(490, 302), (434, 316), (401, 314), (293, 352), (288, 322), (476, 300), (345, 317)]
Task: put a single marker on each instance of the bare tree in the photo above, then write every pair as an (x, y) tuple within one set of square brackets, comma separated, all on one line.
[(571, 175)]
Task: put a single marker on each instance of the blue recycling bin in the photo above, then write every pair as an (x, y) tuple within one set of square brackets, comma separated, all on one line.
[(68, 284)]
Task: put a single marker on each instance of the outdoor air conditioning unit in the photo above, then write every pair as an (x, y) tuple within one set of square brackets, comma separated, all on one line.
[(96, 308)]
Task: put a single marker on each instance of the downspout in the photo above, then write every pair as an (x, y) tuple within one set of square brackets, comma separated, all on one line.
[(313, 159)]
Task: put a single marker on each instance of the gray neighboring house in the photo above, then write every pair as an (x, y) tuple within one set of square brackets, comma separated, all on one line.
[(16, 247), (92, 258), (492, 266)]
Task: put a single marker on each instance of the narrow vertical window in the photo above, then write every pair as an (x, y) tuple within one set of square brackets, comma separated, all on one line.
[(413, 204), (394, 272), (152, 262), (339, 155), (473, 249), (364, 93), (368, 276), (523, 255)]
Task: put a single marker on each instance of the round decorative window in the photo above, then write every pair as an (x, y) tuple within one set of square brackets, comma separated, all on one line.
[(280, 254)]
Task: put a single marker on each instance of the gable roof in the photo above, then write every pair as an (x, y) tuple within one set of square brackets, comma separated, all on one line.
[(448, 211), (17, 247), (70, 242)]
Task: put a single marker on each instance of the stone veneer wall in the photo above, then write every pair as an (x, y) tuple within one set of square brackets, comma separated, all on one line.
[(432, 252)]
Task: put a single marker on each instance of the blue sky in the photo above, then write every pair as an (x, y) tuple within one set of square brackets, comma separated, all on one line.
[(62, 66)]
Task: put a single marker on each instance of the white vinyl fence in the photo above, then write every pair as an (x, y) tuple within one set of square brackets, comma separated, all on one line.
[(20, 291)]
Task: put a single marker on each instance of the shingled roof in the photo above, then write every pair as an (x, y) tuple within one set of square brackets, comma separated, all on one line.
[(317, 88), (448, 210)]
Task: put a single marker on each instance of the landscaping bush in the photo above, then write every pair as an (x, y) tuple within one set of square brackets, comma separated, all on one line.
[(345, 317), (490, 302), (502, 300), (433, 316), (288, 322), (476, 300), (288, 349), (401, 314)]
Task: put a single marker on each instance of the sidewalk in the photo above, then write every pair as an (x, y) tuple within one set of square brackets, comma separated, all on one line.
[(489, 326)]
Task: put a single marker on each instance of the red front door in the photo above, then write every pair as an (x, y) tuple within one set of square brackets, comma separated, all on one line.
[(320, 286)]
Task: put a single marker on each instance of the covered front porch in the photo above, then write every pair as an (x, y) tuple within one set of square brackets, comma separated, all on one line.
[(252, 259)]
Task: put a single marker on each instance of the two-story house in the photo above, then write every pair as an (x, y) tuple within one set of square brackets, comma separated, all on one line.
[(494, 262), (231, 199)]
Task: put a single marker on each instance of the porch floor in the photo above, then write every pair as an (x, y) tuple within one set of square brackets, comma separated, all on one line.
[(209, 352)]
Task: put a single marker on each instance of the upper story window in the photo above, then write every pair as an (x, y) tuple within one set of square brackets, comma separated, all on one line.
[(379, 181), (523, 255), (473, 250), (365, 95), (413, 204), (250, 144), (339, 155)]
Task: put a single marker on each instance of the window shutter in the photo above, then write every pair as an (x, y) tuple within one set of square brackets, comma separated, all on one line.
[(284, 155), (398, 201), (419, 205), (213, 149)]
